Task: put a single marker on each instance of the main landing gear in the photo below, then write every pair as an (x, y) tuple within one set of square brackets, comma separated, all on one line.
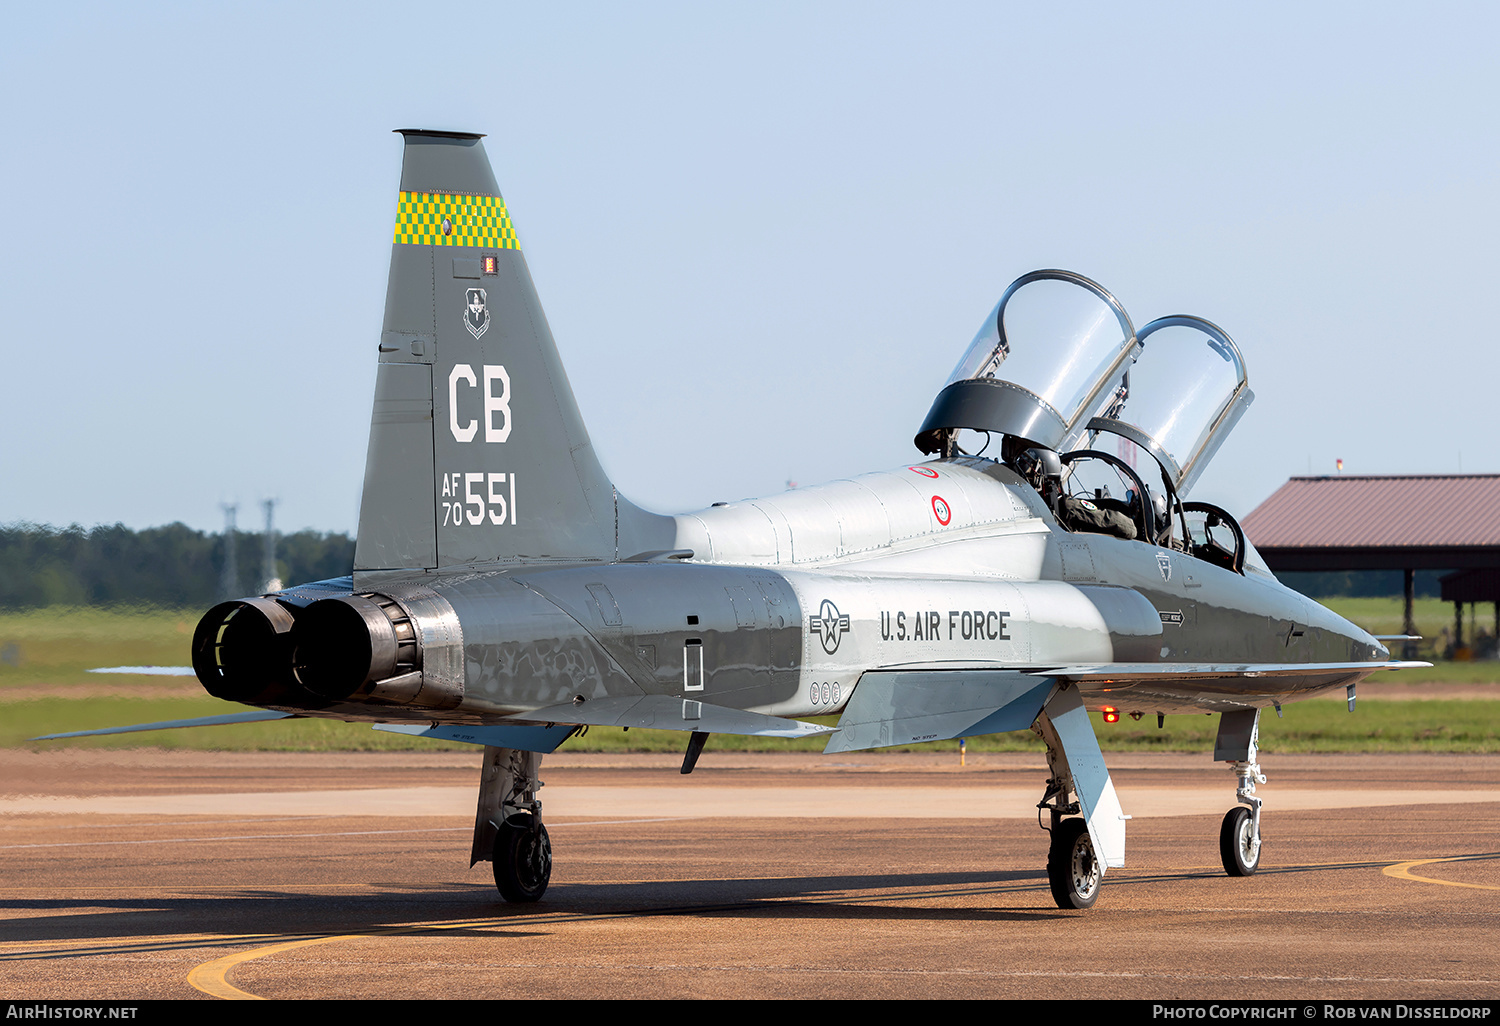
[(508, 828), (1239, 836), (1088, 832)]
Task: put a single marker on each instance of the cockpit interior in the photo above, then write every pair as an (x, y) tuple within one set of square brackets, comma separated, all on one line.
[(1111, 425)]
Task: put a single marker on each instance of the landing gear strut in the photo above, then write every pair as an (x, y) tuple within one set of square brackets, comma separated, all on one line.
[(508, 828), (1239, 836), (1092, 837)]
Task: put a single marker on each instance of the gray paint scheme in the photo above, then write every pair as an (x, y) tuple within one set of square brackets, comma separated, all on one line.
[(395, 515), (571, 512)]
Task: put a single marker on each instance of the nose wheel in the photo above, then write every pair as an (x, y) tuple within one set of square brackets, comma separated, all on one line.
[(1239, 836), (1073, 869)]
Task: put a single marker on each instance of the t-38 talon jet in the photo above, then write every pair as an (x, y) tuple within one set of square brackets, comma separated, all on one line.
[(505, 594)]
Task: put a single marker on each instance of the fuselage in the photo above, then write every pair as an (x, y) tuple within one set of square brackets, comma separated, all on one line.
[(779, 605)]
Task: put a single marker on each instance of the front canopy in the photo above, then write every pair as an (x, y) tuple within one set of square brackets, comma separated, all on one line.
[(1051, 355)]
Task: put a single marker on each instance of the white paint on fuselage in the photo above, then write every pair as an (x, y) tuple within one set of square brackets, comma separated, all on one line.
[(865, 517), (900, 622), (874, 552)]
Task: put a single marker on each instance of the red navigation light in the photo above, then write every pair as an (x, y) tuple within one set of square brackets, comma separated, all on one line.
[(1111, 714)]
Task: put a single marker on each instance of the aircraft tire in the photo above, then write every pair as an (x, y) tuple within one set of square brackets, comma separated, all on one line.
[(1072, 869), (1240, 855), (522, 860)]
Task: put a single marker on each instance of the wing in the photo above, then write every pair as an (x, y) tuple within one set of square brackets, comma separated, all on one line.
[(253, 716), (542, 730), (664, 712), (902, 707), (1211, 687)]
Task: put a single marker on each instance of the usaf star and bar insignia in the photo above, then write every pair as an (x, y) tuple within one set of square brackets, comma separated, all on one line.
[(829, 625)]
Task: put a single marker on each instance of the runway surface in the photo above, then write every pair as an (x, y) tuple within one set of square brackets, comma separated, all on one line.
[(132, 875)]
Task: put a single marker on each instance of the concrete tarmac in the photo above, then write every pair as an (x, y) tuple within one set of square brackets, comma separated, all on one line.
[(148, 874)]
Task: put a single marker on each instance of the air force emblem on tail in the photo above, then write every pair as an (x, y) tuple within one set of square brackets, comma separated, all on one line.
[(476, 314)]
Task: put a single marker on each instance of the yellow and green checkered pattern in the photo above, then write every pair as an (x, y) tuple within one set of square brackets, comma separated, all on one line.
[(444, 219)]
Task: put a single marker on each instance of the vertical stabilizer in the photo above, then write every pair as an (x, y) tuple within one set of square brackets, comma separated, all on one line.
[(477, 450)]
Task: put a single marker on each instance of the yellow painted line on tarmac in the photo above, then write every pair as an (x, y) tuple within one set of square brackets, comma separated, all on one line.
[(212, 977), (1403, 871)]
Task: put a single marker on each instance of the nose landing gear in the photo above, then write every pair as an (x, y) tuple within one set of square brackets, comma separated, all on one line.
[(1239, 835)]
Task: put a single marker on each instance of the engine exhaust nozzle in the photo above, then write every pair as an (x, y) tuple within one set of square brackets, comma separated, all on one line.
[(242, 651)]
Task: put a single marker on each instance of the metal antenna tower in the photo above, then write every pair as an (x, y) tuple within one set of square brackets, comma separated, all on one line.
[(268, 576), (229, 583)]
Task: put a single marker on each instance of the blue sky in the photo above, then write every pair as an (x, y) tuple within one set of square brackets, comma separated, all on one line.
[(763, 234)]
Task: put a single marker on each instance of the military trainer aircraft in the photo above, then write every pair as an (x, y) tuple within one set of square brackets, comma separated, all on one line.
[(505, 594)]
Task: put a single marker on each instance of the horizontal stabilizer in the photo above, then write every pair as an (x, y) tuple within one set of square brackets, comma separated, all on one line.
[(911, 706), (526, 739), (663, 712), (253, 716)]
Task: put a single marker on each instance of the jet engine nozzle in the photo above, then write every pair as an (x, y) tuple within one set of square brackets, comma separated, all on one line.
[(381, 650), (242, 651), (342, 644)]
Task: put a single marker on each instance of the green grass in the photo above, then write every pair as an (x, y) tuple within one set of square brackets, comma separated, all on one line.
[(1431, 616), (1383, 615), (57, 645)]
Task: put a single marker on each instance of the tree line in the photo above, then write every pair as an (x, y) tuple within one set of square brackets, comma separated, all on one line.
[(180, 567), (166, 566)]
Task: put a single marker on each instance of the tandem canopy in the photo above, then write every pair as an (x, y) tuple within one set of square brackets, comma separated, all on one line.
[(1058, 361)]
